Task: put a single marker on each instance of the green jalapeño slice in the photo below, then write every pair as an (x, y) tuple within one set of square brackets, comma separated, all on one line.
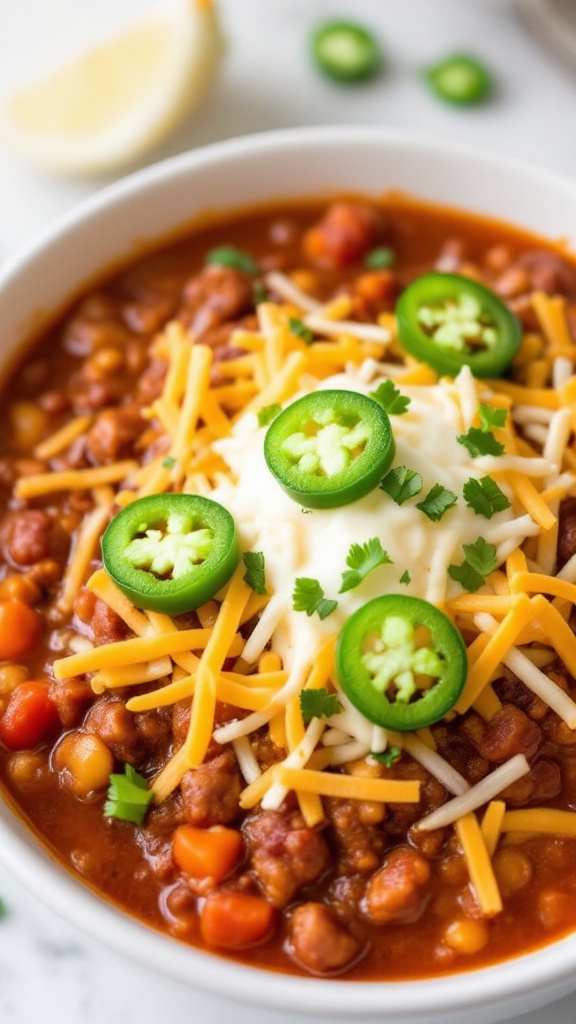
[(401, 662), (330, 448), (449, 321), (171, 552)]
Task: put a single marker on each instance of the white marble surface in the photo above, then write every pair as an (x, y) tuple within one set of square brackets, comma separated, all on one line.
[(49, 973)]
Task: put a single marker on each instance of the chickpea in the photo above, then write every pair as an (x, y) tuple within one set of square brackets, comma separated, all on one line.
[(84, 762), (29, 424), (554, 908), (106, 361), (465, 936), (512, 868), (11, 676), (20, 588), (24, 767), (453, 870)]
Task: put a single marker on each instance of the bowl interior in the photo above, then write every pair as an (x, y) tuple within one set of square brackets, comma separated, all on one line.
[(117, 224)]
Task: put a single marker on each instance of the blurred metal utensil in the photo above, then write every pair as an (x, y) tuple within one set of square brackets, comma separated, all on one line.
[(554, 22)]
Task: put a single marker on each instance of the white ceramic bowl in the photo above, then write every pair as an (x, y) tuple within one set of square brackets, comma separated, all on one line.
[(112, 226)]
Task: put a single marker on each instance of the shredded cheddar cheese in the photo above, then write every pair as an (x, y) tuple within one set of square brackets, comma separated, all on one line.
[(479, 865)]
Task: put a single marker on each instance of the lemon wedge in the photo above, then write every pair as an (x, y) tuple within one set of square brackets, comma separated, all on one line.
[(115, 102)]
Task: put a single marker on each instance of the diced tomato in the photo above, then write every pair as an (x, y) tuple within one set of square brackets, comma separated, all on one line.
[(30, 716), (235, 920), (206, 852), (20, 629)]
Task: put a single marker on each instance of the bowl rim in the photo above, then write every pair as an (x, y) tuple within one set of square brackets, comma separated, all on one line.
[(534, 974)]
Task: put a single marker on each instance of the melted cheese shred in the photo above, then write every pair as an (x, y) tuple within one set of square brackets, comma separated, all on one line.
[(479, 865), (213, 445)]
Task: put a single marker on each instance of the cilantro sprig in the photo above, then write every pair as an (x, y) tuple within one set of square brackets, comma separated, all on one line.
[(480, 561), (308, 596), (438, 500), (255, 575), (480, 440), (390, 398), (485, 496), (362, 559), (231, 256), (491, 418), (401, 483), (387, 757), (128, 796), (318, 704)]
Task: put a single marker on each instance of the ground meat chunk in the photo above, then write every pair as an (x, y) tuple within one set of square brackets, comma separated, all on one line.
[(319, 941), (543, 782), (284, 853), (72, 697), (394, 893), (151, 382), (567, 531), (214, 296), (548, 272), (112, 436), (360, 842), (27, 537), (211, 792), (373, 293), (346, 232), (106, 626), (509, 732), (117, 728), (96, 322)]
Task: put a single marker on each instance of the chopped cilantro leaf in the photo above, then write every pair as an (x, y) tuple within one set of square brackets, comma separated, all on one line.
[(480, 442), (480, 562), (381, 258), (481, 556), (298, 327), (128, 797), (362, 559), (485, 496), (308, 597), (401, 483), (3, 909), (405, 577), (438, 500), (255, 575), (467, 576), (490, 418), (387, 757), (318, 704), (168, 462), (268, 413), (230, 256), (389, 397)]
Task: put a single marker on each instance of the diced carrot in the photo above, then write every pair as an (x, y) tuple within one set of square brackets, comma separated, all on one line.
[(30, 716), (206, 852), (20, 629), (235, 920)]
